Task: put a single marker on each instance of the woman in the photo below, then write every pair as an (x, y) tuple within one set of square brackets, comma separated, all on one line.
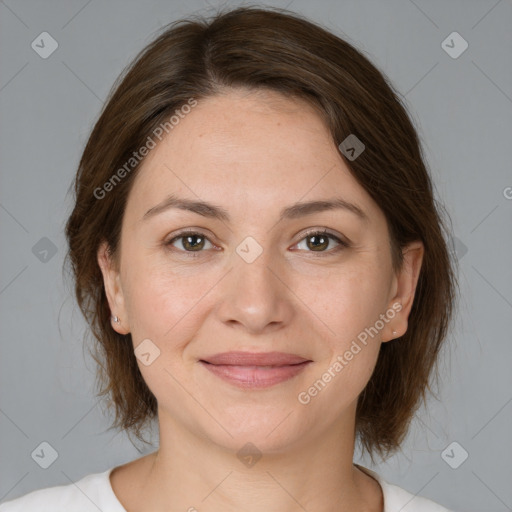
[(260, 257)]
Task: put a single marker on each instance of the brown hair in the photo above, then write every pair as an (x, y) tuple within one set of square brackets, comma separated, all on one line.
[(268, 49)]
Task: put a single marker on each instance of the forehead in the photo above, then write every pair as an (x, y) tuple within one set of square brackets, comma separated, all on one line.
[(247, 149)]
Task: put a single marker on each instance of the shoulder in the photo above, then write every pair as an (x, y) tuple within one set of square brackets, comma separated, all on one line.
[(397, 499), (89, 494)]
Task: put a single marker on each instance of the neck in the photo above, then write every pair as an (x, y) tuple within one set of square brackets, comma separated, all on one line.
[(191, 473)]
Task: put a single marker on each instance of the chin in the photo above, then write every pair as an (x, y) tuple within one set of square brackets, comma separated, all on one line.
[(269, 429)]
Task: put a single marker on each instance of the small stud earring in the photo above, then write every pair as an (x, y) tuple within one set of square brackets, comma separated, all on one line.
[(116, 319), (394, 333)]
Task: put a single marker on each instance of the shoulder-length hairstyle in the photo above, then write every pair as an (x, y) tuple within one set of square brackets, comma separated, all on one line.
[(272, 49)]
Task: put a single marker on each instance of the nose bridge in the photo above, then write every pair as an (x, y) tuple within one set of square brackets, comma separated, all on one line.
[(252, 263)]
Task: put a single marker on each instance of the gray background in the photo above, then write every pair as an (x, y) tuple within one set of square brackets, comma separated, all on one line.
[(463, 110)]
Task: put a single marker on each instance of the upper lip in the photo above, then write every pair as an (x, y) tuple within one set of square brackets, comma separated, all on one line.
[(254, 359)]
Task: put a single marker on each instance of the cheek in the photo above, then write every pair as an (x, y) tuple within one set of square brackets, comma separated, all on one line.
[(350, 306), (346, 299), (165, 309), (156, 299), (349, 302)]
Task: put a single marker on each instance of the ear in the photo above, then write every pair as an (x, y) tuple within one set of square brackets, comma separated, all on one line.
[(113, 290), (404, 285)]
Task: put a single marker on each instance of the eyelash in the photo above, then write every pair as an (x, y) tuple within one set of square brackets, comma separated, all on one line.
[(195, 254)]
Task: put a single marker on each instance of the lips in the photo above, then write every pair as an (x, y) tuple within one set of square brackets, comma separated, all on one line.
[(255, 359), (253, 369)]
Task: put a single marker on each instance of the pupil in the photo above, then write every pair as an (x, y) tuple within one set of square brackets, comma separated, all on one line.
[(323, 238), (189, 238)]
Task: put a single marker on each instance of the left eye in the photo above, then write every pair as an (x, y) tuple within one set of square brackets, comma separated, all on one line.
[(318, 241)]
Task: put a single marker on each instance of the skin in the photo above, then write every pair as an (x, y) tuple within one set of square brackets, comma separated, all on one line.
[(253, 153)]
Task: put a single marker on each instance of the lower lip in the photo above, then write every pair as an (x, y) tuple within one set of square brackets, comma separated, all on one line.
[(253, 376)]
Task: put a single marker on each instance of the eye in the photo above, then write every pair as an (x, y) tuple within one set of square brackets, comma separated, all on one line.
[(318, 241), (190, 241)]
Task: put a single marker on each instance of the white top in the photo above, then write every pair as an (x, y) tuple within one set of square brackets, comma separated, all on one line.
[(94, 492)]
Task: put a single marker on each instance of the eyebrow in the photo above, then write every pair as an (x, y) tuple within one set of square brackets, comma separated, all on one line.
[(294, 211)]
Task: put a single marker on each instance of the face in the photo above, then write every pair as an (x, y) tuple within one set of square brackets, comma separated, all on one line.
[(198, 285)]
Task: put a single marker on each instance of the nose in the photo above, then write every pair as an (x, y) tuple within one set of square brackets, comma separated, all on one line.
[(255, 296)]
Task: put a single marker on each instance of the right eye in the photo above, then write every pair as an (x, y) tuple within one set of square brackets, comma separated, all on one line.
[(191, 242)]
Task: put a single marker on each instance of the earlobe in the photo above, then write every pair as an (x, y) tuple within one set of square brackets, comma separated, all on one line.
[(406, 282), (113, 289)]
